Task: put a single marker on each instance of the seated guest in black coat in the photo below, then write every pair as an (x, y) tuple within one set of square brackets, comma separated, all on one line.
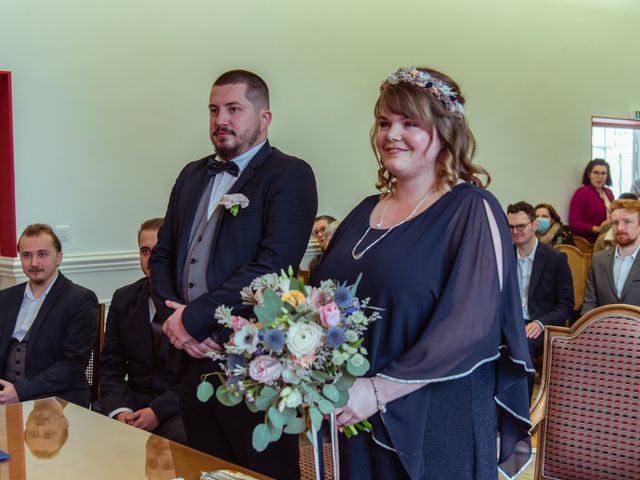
[(544, 278), (140, 369), (48, 326)]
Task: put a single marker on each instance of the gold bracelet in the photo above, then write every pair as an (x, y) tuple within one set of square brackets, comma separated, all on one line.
[(382, 407)]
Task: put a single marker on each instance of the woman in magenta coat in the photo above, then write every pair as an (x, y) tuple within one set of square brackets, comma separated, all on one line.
[(589, 208)]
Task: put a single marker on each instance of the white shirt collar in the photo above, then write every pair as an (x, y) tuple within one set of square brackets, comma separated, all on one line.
[(531, 255), (28, 293), (243, 159), (633, 255)]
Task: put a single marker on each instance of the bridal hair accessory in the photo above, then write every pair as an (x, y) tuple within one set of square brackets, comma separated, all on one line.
[(439, 89)]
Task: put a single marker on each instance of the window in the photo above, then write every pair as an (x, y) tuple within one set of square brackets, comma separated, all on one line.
[(617, 140)]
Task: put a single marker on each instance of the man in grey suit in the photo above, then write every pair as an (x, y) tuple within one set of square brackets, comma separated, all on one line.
[(614, 276)]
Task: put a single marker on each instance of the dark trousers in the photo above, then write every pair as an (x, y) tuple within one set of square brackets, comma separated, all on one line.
[(225, 432), (536, 348)]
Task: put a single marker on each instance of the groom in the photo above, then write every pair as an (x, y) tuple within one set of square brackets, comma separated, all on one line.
[(207, 253)]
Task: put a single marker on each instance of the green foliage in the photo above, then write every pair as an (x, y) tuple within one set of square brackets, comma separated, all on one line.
[(271, 308), (331, 392), (227, 397), (344, 382), (316, 417), (357, 365), (278, 419), (266, 398), (296, 425), (261, 437), (343, 399), (325, 406), (204, 391)]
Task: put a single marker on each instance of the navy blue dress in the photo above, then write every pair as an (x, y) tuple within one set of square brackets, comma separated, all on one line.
[(449, 321)]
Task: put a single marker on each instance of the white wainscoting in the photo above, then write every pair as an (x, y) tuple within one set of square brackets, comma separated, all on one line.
[(103, 272)]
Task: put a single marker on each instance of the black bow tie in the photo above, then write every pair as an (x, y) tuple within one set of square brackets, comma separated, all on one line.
[(216, 166)]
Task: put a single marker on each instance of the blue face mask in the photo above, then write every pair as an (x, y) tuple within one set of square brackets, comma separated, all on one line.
[(544, 224)]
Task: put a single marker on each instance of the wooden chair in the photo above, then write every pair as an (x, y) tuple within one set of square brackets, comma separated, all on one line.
[(579, 263), (93, 368), (583, 244), (307, 465), (588, 410)]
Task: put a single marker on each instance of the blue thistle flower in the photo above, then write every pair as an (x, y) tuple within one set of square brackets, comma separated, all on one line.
[(335, 337), (342, 297), (274, 340)]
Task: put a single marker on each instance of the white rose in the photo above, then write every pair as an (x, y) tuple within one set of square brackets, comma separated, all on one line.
[(304, 338)]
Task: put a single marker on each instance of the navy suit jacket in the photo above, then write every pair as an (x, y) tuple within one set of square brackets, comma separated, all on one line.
[(270, 234), (550, 297), (60, 341), (128, 351)]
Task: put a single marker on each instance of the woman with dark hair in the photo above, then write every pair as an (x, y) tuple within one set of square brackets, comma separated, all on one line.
[(589, 208), (449, 358), (550, 229)]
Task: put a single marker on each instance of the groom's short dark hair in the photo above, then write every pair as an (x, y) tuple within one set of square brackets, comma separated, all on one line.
[(257, 91)]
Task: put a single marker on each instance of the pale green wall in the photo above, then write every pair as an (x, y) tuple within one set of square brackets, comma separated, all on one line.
[(110, 98)]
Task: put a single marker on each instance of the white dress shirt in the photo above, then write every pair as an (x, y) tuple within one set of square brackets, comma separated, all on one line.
[(525, 266), (622, 267), (223, 183), (29, 310)]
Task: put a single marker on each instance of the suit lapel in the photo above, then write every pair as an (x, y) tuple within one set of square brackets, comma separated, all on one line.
[(49, 302), (611, 255), (537, 268), (11, 316), (633, 274), (256, 162)]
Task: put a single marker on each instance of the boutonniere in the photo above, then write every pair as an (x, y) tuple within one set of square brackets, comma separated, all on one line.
[(234, 202)]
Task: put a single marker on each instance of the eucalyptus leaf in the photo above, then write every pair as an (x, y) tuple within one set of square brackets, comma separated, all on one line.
[(266, 398), (276, 432), (325, 406), (204, 391), (318, 376), (296, 425), (344, 382), (251, 406), (316, 417), (357, 365), (269, 309), (277, 418), (343, 399), (331, 392), (261, 437)]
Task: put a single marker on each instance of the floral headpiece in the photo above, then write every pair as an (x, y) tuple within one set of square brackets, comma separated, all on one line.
[(438, 88)]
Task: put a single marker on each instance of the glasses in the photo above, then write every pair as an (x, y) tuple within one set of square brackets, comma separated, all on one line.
[(599, 174), (520, 227)]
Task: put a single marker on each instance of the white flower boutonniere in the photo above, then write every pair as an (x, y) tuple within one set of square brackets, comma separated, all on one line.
[(234, 202)]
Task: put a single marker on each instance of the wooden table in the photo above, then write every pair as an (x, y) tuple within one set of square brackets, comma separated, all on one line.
[(48, 439)]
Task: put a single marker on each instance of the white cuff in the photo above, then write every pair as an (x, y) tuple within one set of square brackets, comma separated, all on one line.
[(539, 323), (120, 410)]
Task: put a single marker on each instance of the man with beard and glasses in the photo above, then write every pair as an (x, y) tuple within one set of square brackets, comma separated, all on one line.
[(245, 211), (614, 276), (48, 326)]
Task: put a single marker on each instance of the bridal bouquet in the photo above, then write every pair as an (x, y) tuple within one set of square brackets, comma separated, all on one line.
[(296, 360)]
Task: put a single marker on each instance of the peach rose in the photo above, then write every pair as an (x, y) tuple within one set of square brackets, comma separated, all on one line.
[(265, 369)]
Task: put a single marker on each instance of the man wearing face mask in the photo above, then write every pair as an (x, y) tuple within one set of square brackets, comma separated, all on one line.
[(544, 278)]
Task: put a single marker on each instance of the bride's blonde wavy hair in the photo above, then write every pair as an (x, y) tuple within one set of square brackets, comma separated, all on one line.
[(454, 162)]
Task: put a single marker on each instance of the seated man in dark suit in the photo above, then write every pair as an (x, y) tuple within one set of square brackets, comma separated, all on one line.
[(614, 276), (139, 372), (544, 278), (48, 326)]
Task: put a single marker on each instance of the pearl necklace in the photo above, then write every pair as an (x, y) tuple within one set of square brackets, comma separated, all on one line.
[(358, 256)]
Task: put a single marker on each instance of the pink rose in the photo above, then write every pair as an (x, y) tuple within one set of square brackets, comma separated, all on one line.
[(238, 322), (265, 369), (329, 315)]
